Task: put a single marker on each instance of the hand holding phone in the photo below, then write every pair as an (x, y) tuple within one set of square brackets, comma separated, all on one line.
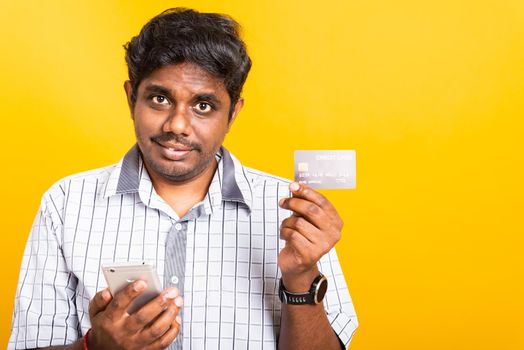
[(119, 276), (154, 325)]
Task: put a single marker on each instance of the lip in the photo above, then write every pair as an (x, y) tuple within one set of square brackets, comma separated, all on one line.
[(174, 146), (174, 151)]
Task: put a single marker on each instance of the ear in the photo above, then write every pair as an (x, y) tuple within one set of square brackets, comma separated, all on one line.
[(236, 110), (128, 87)]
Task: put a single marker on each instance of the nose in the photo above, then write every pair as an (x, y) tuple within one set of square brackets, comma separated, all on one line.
[(178, 121)]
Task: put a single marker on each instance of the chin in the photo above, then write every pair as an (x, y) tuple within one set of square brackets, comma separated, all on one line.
[(173, 172), (178, 172)]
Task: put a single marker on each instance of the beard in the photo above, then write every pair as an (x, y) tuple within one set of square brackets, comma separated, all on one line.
[(197, 161)]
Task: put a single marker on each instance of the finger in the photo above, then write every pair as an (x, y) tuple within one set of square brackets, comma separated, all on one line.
[(99, 302), (149, 312), (295, 239), (168, 337), (305, 192), (161, 325), (304, 227), (285, 233), (117, 308), (304, 252), (304, 208), (300, 248)]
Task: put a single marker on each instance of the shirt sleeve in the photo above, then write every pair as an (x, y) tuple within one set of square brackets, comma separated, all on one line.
[(44, 311), (337, 302)]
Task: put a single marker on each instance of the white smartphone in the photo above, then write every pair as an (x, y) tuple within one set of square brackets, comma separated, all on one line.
[(119, 276)]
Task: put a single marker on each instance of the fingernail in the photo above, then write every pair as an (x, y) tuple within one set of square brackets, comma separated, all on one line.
[(171, 293), (139, 286), (178, 320), (294, 186), (106, 294), (179, 301), (281, 201)]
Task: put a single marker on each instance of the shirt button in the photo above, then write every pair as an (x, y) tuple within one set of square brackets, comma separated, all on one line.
[(178, 226), (174, 280)]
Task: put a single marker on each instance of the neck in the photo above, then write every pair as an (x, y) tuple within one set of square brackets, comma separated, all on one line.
[(183, 196)]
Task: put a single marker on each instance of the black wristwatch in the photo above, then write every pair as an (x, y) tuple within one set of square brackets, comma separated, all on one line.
[(315, 295)]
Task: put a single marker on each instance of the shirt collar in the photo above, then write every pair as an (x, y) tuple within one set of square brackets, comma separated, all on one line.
[(230, 182)]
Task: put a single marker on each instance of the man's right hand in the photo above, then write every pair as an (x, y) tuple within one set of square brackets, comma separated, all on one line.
[(154, 326)]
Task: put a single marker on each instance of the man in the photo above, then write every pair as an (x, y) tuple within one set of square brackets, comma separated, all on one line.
[(239, 270)]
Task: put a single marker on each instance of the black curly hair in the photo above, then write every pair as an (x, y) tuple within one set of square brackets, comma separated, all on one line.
[(208, 40)]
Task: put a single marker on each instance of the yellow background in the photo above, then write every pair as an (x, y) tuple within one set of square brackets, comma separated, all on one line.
[(429, 93)]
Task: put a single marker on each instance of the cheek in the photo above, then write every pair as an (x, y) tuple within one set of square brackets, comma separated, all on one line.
[(216, 133), (147, 124)]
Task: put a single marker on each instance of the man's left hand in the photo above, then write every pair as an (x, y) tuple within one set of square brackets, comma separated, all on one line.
[(313, 229)]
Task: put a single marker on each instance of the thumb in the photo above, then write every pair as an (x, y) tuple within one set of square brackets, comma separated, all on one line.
[(99, 302)]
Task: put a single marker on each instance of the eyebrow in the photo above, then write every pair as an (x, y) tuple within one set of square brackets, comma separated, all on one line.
[(208, 97), (157, 89)]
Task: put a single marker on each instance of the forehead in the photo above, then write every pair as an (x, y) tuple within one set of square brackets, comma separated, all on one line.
[(187, 77)]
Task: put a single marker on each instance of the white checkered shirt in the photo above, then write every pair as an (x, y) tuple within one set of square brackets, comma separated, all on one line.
[(113, 214)]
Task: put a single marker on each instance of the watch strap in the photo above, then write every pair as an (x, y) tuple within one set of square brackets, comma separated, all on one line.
[(294, 298), (306, 298)]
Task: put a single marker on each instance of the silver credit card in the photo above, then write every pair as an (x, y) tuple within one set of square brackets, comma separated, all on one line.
[(326, 169)]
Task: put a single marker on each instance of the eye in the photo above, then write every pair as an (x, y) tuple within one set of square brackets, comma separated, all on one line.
[(203, 107), (161, 100)]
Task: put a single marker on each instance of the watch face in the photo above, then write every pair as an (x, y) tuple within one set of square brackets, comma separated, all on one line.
[(321, 290)]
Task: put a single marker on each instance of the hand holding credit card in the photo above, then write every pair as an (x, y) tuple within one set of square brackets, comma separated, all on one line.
[(326, 169), (315, 225)]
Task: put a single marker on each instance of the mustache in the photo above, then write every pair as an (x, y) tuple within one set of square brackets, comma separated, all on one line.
[(171, 137)]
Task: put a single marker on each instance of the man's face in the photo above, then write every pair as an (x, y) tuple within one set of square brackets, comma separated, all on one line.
[(181, 119)]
